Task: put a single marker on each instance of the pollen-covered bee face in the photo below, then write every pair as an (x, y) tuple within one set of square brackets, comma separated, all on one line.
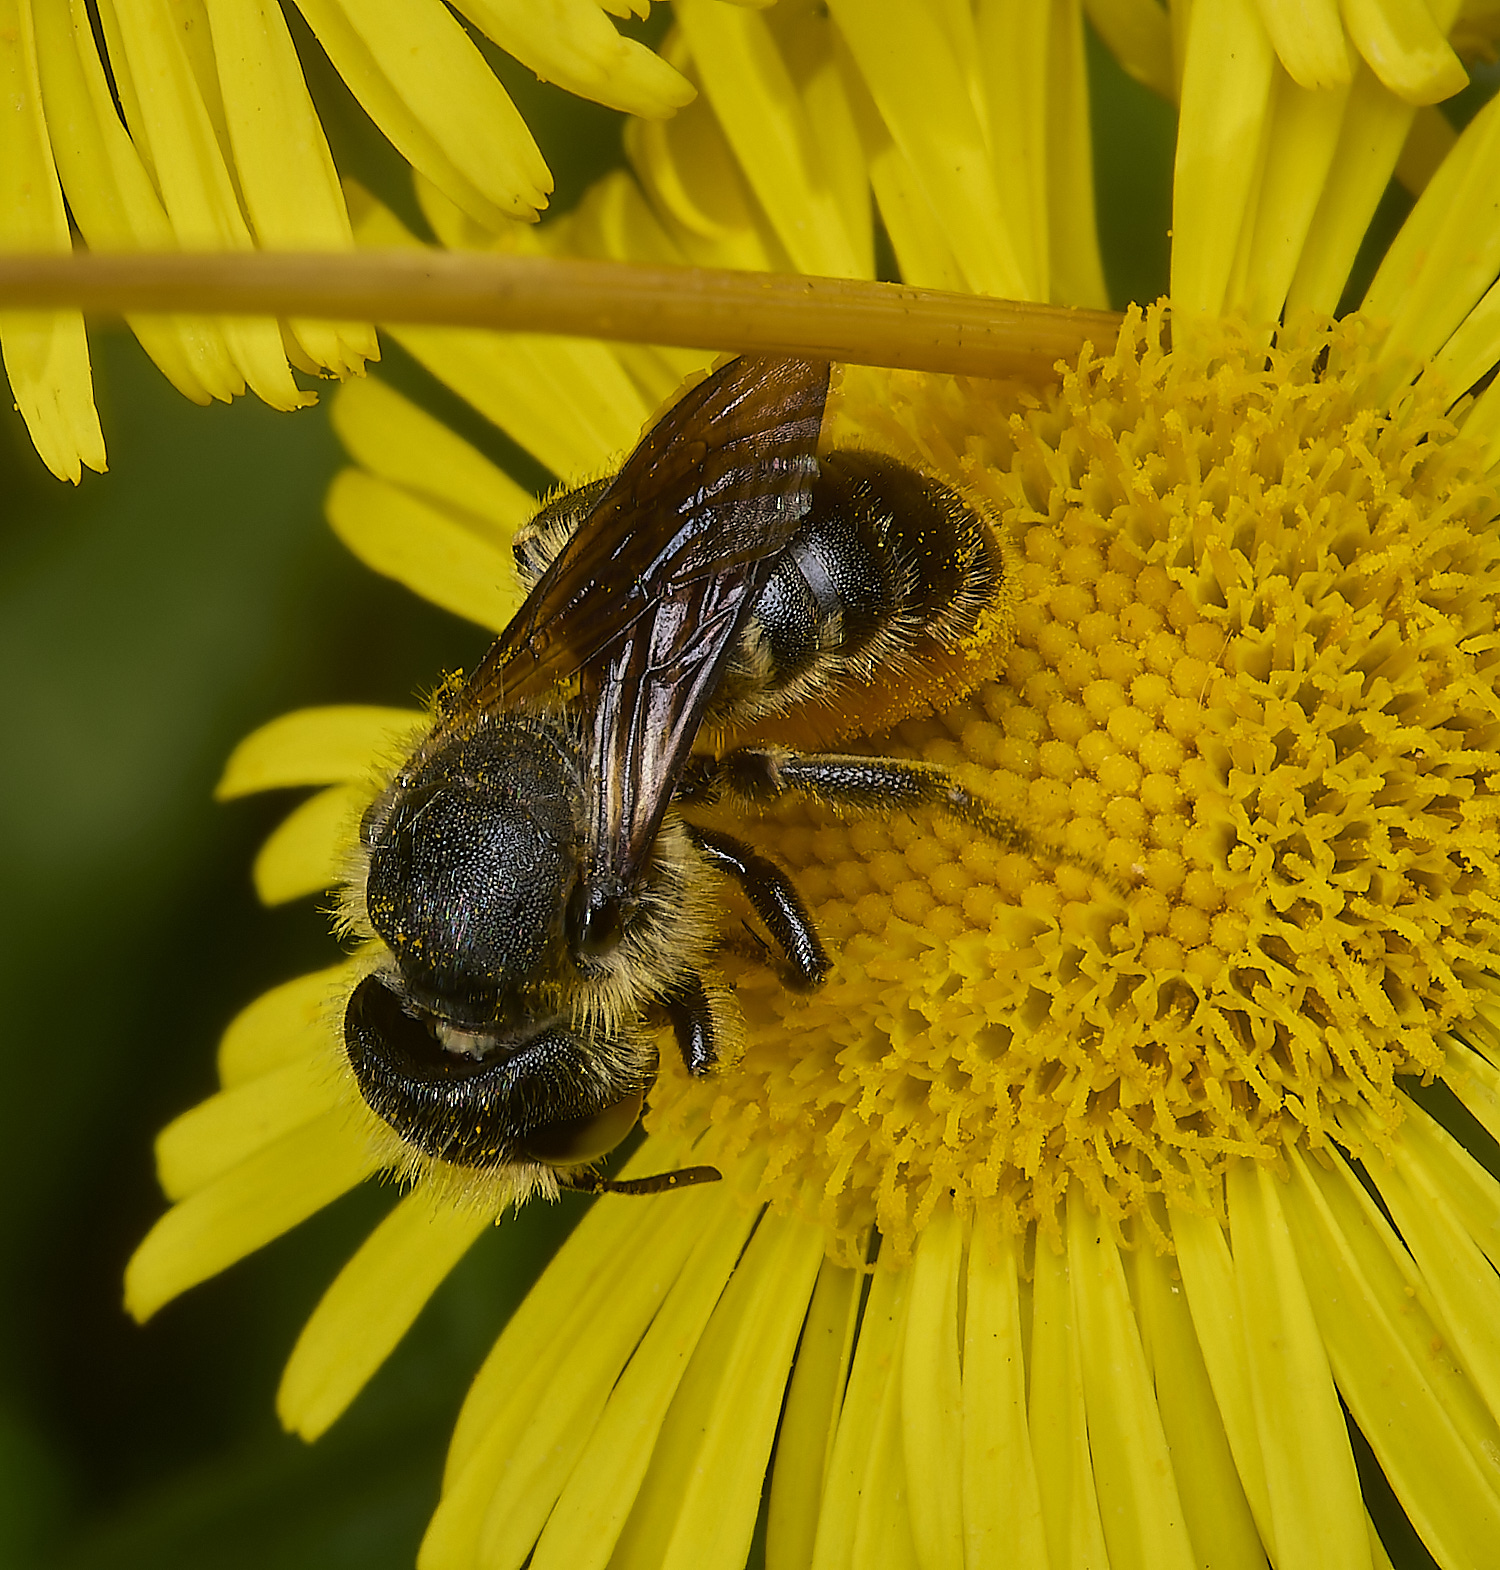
[(472, 859)]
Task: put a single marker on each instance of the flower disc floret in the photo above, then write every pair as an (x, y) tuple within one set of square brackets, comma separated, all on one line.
[(1247, 718)]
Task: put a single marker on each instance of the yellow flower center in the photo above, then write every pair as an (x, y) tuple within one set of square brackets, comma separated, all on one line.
[(1248, 715)]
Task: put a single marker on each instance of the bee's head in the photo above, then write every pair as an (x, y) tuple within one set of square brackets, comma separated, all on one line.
[(472, 856)]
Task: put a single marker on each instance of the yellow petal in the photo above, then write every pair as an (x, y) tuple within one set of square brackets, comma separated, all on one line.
[(426, 85), (429, 550), (47, 364), (188, 164), (1057, 1419), (1219, 1519), (46, 353), (1446, 255), (1475, 1080), (811, 44), (369, 1307), (248, 1206), (570, 43), (327, 746), (1314, 1489), (295, 1021), (1415, 1407), (1002, 1507), (1075, 274), (112, 199), (1431, 1160), (696, 182), (550, 395), (583, 1529), (1427, 144), (918, 85), (1308, 37), (204, 1143), (1302, 140), (579, 1280), (614, 222), (508, 1464), (1374, 131), (1405, 49), (1035, 89), (1448, 1210), (1379, 1559), (395, 439), (805, 1443), (195, 38), (857, 1446), (700, 1497), (758, 106), (281, 158), (1208, 1280), (1226, 101), (932, 1396), (1138, 34), (1013, 47), (876, 1360), (121, 76), (883, 1532), (453, 227), (1469, 355), (566, 400), (922, 253), (304, 853), (1141, 1512)]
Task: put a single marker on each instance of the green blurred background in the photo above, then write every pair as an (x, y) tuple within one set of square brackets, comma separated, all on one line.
[(148, 619)]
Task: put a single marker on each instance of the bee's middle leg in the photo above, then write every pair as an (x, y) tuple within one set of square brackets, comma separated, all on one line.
[(774, 898)]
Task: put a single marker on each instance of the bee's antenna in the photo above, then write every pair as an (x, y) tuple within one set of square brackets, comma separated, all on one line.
[(583, 1181)]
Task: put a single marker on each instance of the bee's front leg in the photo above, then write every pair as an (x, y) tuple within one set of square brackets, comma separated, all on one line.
[(691, 1017)]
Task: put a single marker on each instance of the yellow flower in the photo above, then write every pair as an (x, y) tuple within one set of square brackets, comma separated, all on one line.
[(189, 125), (1067, 1222)]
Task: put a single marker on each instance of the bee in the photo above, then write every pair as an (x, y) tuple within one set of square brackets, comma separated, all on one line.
[(542, 901)]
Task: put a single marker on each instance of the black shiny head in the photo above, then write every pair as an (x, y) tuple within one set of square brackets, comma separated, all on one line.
[(480, 1099), (472, 858)]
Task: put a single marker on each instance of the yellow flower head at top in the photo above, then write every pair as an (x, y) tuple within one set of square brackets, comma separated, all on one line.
[(1111, 1167), (187, 124)]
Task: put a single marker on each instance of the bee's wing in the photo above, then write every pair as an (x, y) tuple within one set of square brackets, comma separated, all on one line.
[(714, 490), (646, 712), (647, 600)]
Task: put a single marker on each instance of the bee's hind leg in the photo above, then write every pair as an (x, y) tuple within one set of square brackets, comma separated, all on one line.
[(774, 898)]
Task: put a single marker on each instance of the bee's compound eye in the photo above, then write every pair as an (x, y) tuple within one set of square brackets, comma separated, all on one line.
[(480, 1100), (573, 1142)]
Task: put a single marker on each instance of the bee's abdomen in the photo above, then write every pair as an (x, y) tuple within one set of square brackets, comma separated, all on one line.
[(886, 554)]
